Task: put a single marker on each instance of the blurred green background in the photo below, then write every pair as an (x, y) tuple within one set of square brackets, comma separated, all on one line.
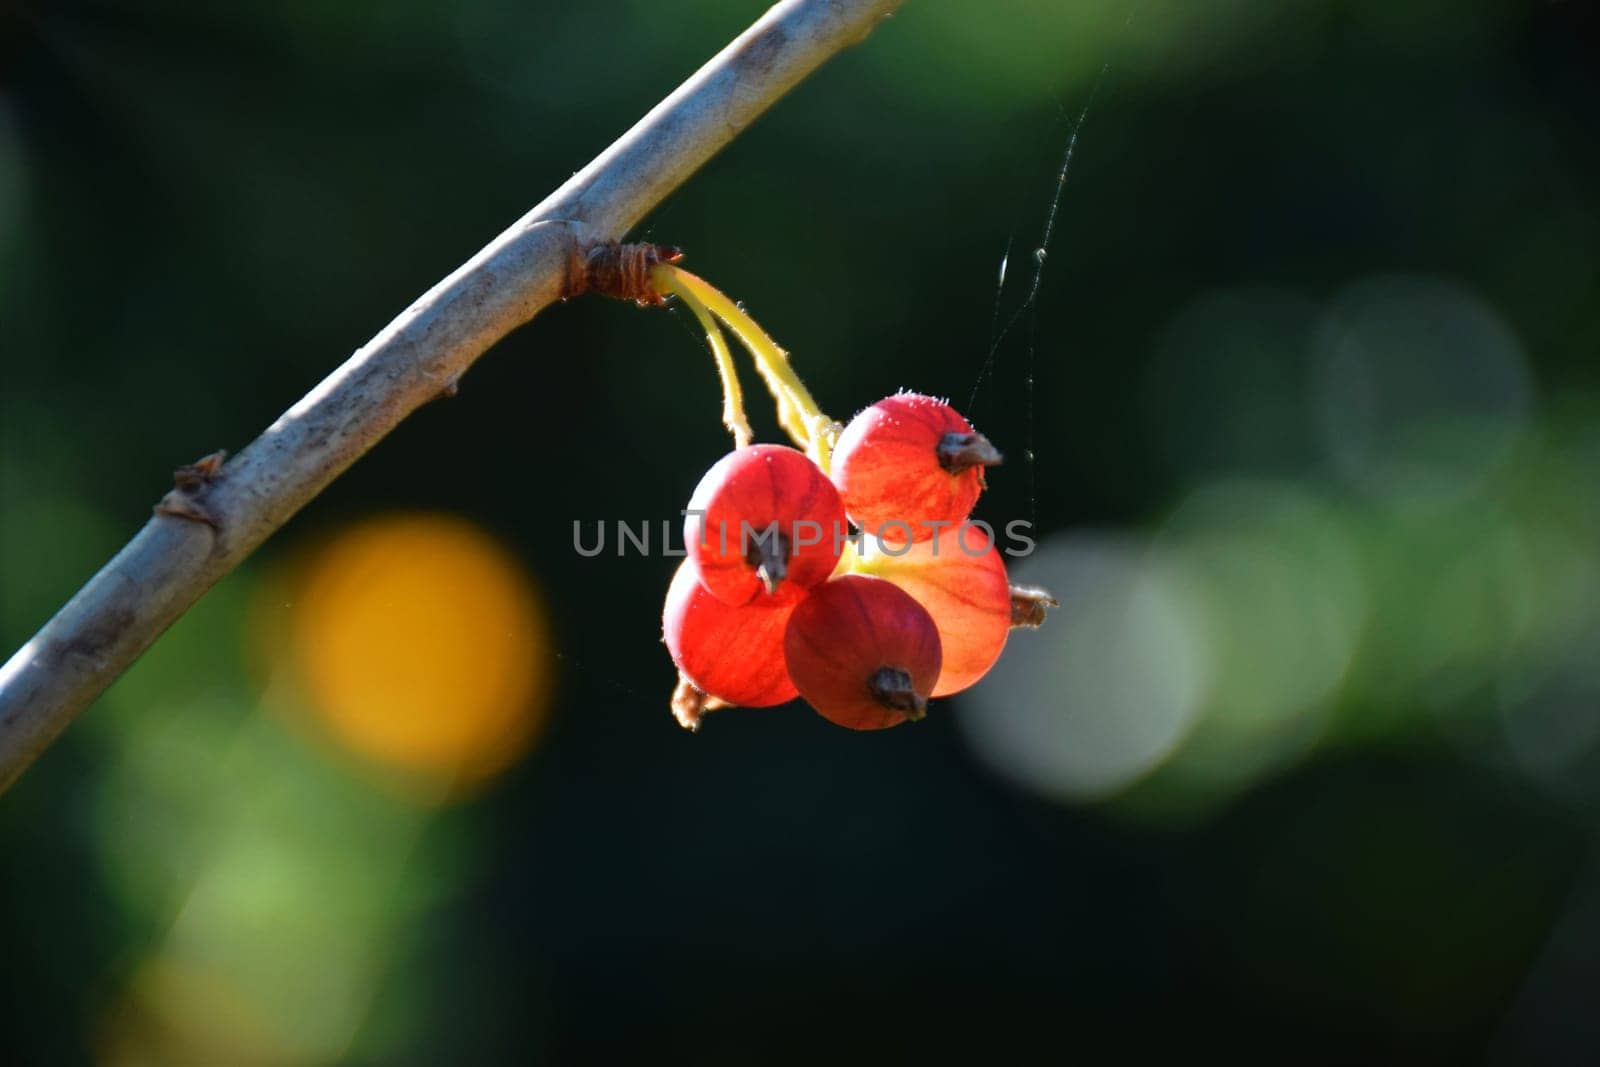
[(1307, 415)]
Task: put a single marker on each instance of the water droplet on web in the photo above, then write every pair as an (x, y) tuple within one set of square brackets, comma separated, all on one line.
[(1039, 254)]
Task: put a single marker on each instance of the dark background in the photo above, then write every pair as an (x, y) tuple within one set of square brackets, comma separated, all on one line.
[(205, 207)]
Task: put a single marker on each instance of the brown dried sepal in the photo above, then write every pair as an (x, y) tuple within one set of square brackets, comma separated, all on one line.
[(622, 271), (1029, 604), (892, 689), (770, 557), (960, 452), (690, 703)]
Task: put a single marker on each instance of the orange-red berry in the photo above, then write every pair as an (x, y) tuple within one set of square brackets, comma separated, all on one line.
[(734, 653), (907, 462), (863, 653), (960, 578), (764, 524)]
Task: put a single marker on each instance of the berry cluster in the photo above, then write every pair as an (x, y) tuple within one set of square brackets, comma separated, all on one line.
[(865, 593), (842, 571)]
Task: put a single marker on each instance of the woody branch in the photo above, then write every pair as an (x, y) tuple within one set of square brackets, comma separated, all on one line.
[(218, 513)]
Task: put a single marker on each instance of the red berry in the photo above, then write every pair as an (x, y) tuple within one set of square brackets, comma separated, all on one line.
[(733, 653), (910, 459), (764, 522), (960, 577), (863, 653)]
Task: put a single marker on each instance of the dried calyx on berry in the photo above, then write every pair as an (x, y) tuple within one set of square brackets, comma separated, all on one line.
[(961, 452), (690, 703), (769, 555), (1029, 605), (892, 688)]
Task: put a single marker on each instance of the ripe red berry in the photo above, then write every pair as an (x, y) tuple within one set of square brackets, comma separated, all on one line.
[(910, 459), (734, 653), (960, 578), (863, 653), (764, 522)]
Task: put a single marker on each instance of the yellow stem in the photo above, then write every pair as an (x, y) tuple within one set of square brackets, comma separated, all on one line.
[(798, 413), (793, 423), (732, 395), (824, 434)]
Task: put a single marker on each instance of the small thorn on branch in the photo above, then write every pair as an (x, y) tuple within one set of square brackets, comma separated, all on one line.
[(1029, 604), (621, 271), (690, 703), (202, 472), (188, 483)]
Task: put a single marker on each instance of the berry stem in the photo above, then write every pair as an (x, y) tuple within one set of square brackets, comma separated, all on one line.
[(732, 395), (798, 413)]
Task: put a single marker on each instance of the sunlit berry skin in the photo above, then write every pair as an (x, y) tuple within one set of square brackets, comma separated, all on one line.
[(732, 652), (960, 578), (909, 459), (863, 653), (747, 493)]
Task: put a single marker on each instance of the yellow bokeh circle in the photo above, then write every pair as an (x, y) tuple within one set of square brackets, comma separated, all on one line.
[(421, 645)]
